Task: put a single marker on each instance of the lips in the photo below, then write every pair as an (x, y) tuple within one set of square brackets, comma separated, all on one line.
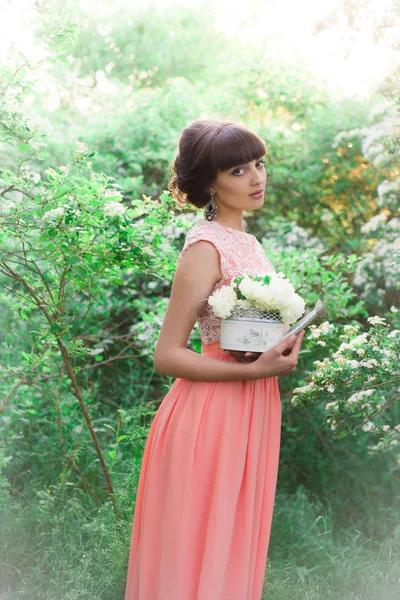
[(257, 193)]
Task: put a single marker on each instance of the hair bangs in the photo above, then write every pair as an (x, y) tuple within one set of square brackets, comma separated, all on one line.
[(235, 146)]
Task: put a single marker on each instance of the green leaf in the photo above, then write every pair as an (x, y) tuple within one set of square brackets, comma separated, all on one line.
[(23, 147)]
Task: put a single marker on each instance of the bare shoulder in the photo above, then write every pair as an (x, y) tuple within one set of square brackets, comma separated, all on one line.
[(200, 259)]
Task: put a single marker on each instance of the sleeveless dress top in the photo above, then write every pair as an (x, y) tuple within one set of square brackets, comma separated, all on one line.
[(239, 253), (206, 490)]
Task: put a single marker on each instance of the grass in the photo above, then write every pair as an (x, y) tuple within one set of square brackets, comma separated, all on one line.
[(56, 547)]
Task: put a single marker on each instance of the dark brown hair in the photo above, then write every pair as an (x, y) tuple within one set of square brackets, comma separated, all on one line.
[(206, 147)]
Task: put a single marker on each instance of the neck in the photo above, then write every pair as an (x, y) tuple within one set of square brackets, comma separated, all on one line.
[(233, 223)]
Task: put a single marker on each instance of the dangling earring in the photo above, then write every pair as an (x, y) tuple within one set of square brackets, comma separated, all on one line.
[(211, 208)]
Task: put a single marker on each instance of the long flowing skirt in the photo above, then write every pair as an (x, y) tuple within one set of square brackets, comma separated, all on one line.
[(206, 491)]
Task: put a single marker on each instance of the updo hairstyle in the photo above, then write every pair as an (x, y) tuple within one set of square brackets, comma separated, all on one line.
[(206, 147)]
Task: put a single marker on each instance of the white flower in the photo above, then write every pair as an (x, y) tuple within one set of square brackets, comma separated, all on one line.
[(368, 426), (394, 333), (81, 147), (112, 192), (114, 209), (331, 405), (386, 427), (393, 309), (325, 328), (373, 223), (351, 329), (354, 364), (6, 206), (369, 363), (357, 396), (277, 295), (243, 303), (375, 320), (53, 214), (388, 186), (304, 388), (223, 301), (36, 177), (331, 388), (359, 340)]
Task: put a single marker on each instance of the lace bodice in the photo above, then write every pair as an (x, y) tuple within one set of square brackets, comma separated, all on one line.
[(239, 253)]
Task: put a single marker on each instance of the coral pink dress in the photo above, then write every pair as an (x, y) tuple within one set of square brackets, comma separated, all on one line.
[(206, 490)]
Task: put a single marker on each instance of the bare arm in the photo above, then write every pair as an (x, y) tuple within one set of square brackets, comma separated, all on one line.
[(195, 276)]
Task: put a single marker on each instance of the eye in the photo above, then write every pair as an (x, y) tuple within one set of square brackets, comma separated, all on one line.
[(259, 164), (235, 172)]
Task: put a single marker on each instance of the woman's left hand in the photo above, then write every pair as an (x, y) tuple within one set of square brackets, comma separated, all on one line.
[(245, 356)]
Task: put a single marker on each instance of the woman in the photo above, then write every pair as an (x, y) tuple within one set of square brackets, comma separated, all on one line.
[(206, 491)]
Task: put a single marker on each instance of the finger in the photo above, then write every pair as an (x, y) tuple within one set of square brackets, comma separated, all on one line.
[(297, 343)]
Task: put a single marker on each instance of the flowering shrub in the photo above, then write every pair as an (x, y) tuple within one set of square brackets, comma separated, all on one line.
[(359, 382), (377, 276)]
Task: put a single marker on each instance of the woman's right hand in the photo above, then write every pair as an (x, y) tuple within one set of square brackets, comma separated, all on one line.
[(279, 360)]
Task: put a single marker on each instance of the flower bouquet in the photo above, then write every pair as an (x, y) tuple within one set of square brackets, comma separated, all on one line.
[(253, 309)]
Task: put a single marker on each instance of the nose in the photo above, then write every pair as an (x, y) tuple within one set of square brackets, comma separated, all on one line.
[(257, 177)]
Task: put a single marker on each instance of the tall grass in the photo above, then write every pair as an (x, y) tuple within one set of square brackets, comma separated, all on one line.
[(58, 549)]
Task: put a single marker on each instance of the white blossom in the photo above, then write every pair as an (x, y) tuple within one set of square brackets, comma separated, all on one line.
[(325, 328), (223, 301), (394, 333), (111, 192), (368, 426), (373, 223), (359, 396), (331, 405), (353, 364), (6, 206), (55, 213), (114, 209), (370, 363), (81, 147), (304, 388), (375, 320), (277, 295)]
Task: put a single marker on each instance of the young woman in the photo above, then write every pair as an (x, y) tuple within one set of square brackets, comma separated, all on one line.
[(206, 491)]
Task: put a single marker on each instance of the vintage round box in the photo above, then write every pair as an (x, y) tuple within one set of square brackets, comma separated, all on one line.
[(246, 330)]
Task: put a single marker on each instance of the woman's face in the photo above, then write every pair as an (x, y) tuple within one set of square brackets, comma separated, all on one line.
[(234, 187)]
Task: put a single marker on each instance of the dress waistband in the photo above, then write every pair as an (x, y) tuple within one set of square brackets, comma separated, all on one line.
[(214, 349)]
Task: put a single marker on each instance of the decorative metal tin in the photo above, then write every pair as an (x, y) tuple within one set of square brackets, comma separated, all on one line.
[(251, 329)]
